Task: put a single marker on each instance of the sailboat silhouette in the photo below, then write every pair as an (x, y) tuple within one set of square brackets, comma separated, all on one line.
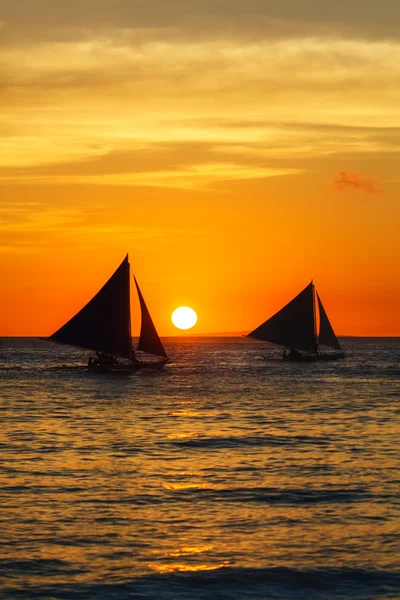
[(295, 327), (103, 325)]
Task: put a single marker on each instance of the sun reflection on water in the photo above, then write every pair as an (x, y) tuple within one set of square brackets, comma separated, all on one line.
[(184, 413), (181, 436), (171, 568), (185, 486), (188, 550)]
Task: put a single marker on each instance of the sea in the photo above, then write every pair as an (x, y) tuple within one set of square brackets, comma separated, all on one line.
[(229, 475)]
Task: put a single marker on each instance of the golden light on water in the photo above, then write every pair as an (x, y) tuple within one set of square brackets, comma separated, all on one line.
[(171, 568), (183, 413), (184, 486), (188, 550), (178, 436)]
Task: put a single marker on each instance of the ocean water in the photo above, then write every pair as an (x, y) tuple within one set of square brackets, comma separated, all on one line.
[(229, 475)]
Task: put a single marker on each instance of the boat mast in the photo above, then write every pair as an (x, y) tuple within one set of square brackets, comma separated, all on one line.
[(315, 317), (129, 307)]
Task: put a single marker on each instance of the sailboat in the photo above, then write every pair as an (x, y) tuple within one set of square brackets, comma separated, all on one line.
[(295, 327), (103, 325)]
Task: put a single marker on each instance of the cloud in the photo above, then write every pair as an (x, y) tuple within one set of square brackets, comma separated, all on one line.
[(111, 61), (74, 102), (138, 105), (32, 217), (251, 18), (347, 180), (199, 176), (28, 226), (178, 165)]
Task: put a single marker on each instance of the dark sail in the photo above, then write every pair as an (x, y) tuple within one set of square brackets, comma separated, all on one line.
[(293, 326), (327, 336), (149, 340), (104, 324)]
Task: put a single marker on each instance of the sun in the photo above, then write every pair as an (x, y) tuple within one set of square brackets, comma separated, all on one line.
[(184, 317)]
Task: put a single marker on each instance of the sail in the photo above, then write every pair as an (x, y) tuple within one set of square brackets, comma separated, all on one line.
[(293, 326), (327, 336), (104, 324), (149, 340)]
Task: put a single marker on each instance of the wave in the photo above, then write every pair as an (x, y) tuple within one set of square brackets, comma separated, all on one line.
[(252, 440), (227, 583), (275, 496), (195, 496)]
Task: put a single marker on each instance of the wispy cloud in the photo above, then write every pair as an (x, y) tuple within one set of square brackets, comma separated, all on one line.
[(200, 176), (348, 180), (33, 226), (102, 105), (248, 18), (77, 100)]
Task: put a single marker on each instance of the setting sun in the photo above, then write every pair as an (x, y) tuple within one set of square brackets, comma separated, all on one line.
[(184, 317)]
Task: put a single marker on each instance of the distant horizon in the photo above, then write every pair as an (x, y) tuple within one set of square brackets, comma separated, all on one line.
[(227, 334)]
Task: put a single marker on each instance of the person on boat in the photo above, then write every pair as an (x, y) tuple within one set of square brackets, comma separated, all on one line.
[(90, 362), (284, 355), (134, 360)]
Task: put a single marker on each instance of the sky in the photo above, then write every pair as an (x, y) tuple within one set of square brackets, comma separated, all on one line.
[(236, 149)]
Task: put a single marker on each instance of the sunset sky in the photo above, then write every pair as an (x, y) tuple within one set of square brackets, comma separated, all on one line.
[(235, 148)]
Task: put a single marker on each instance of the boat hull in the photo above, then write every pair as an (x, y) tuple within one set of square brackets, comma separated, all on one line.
[(315, 357), (128, 368)]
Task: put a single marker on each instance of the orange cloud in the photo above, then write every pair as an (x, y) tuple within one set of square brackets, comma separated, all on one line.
[(355, 181)]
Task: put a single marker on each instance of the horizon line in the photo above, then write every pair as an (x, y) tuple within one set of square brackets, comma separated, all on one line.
[(238, 334)]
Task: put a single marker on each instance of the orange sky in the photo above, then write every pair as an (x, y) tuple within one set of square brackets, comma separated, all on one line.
[(235, 150)]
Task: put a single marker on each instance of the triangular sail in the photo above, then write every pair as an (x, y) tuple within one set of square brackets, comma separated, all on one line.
[(293, 326), (327, 336), (104, 324), (149, 340)]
